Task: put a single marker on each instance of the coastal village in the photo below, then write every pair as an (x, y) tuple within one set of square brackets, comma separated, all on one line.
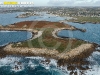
[(72, 14), (70, 51)]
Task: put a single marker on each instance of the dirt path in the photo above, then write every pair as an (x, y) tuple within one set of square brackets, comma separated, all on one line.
[(37, 35)]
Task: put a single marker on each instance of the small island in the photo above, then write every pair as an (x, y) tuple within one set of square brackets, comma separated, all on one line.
[(46, 43), (27, 14)]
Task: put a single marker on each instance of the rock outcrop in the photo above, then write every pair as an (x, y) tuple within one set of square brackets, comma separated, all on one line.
[(73, 55)]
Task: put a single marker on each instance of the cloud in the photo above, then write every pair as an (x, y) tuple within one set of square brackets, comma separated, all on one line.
[(97, 2), (74, 2), (61, 2), (56, 2)]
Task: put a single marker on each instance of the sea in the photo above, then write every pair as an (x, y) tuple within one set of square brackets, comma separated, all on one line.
[(25, 65)]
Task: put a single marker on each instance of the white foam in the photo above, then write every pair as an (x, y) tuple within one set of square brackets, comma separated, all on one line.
[(8, 60), (95, 67), (38, 58), (98, 48), (47, 67), (31, 64), (20, 68), (53, 62), (11, 61), (94, 71), (94, 55)]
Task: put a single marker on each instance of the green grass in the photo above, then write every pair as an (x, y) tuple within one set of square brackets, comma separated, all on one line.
[(49, 41), (87, 19)]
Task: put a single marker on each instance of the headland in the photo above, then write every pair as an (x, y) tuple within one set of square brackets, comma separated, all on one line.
[(67, 50)]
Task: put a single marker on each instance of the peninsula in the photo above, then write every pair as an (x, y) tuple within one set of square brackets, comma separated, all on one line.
[(45, 32)]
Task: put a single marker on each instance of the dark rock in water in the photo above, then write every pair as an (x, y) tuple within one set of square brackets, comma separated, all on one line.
[(83, 30), (98, 48), (61, 62), (75, 73), (82, 22), (83, 68), (19, 63), (71, 73), (94, 22), (47, 61), (76, 21), (20, 67), (71, 68), (16, 67)]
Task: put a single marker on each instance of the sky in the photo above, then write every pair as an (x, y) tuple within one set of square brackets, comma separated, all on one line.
[(61, 2)]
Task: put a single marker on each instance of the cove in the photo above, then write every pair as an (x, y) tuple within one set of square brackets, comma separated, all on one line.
[(92, 33), (7, 37)]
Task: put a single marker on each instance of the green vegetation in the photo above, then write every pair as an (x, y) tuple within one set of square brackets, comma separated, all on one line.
[(49, 41), (86, 19)]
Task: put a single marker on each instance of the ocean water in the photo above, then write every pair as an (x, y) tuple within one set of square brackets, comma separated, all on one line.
[(10, 18), (20, 65), (7, 37), (92, 33)]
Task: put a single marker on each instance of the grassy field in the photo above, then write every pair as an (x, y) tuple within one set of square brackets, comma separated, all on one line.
[(49, 41), (87, 19)]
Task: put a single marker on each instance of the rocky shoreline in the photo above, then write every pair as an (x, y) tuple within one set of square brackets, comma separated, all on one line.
[(54, 33), (73, 55), (85, 22)]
